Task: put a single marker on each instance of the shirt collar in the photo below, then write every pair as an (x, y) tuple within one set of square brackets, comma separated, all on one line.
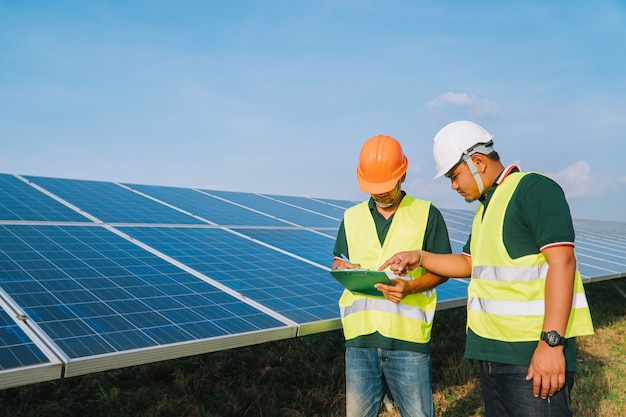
[(505, 173)]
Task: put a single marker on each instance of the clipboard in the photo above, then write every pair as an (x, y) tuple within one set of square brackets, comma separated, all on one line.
[(362, 280)]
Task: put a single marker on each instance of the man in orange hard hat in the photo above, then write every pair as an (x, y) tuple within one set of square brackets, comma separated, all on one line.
[(387, 336)]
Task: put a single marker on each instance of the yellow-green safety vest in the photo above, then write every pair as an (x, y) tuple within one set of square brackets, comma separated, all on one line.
[(506, 297), (409, 320)]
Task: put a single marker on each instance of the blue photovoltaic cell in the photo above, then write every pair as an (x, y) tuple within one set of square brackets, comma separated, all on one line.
[(590, 271), (280, 210), (452, 291), (459, 226), (20, 201), (460, 220), (111, 203), (456, 246), (307, 244), (314, 205), (16, 348), (94, 292), (340, 203), (300, 291), (610, 259), (600, 249), (207, 207)]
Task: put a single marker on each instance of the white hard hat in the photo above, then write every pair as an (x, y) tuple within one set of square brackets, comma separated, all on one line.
[(457, 141)]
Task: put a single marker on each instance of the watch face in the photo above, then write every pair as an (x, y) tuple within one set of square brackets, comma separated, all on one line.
[(553, 338)]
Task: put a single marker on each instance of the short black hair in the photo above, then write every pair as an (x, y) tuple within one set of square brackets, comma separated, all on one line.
[(494, 156)]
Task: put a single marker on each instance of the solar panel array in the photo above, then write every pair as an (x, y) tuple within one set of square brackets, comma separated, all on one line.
[(101, 275)]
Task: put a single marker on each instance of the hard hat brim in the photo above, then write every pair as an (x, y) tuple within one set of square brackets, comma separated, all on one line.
[(482, 148), (378, 187), (443, 172)]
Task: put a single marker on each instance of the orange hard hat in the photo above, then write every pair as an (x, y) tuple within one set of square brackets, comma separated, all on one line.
[(381, 164)]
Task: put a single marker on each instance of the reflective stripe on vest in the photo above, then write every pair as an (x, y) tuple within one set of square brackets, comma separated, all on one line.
[(411, 319), (389, 307), (518, 308), (506, 297), (510, 274)]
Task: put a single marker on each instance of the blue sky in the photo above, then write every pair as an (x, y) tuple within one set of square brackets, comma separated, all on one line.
[(278, 96)]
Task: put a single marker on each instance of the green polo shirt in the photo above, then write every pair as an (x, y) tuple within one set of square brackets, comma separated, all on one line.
[(537, 215), (435, 240)]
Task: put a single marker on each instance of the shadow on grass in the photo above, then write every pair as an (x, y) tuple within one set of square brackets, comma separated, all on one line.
[(594, 393), (590, 387), (470, 404)]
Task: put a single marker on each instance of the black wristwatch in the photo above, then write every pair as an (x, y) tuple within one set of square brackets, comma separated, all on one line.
[(552, 338)]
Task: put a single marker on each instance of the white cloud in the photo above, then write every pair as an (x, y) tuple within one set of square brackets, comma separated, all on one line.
[(414, 168), (578, 181), (476, 106)]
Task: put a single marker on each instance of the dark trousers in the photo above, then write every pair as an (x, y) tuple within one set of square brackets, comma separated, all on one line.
[(506, 393)]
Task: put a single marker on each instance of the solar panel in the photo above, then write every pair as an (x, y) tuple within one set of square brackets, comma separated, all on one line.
[(212, 209), (94, 293), (316, 206), (312, 245), (111, 203), (452, 293), (20, 201), (305, 293), (600, 249), (98, 275), (287, 212), (339, 203)]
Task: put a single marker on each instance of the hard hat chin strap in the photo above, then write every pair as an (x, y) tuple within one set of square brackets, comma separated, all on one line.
[(475, 174)]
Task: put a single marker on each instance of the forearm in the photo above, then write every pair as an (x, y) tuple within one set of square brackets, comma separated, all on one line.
[(444, 265), (426, 282), (447, 265), (559, 294)]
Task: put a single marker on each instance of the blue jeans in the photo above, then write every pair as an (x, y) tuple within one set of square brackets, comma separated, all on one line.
[(370, 371), (507, 393)]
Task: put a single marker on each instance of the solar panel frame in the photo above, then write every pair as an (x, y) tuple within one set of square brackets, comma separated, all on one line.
[(24, 359)]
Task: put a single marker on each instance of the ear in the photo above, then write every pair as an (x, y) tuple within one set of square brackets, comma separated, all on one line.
[(481, 162), (403, 178)]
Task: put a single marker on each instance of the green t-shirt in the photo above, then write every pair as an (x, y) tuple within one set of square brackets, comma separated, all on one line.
[(537, 215), (435, 240)]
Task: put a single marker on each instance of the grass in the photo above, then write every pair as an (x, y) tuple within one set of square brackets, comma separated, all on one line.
[(305, 377)]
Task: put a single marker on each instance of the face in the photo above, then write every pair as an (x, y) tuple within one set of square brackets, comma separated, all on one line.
[(387, 199), (462, 181)]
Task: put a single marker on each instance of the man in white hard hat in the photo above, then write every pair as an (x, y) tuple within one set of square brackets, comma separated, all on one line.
[(388, 335), (526, 302)]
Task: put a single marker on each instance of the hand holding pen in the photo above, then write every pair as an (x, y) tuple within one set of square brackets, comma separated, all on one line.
[(342, 262)]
